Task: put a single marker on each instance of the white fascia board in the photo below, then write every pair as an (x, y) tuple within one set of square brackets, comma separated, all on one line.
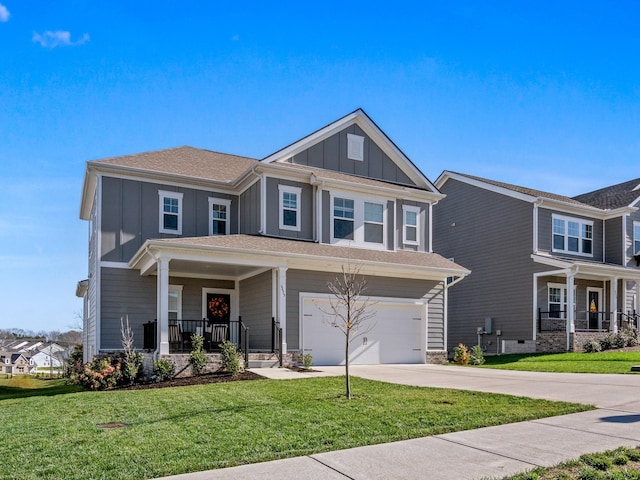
[(405, 192), (585, 210), (446, 175), (89, 186), (185, 181), (588, 269), (360, 118)]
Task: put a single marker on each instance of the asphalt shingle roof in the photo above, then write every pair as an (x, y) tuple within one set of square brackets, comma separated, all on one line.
[(615, 196), (186, 161)]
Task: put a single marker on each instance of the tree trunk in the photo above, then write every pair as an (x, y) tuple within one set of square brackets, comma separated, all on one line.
[(346, 366)]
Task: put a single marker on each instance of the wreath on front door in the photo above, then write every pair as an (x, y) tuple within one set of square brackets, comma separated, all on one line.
[(218, 307)]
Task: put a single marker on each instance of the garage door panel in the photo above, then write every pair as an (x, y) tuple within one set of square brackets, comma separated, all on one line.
[(395, 335)]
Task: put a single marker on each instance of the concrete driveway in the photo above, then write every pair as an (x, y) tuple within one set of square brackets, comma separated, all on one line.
[(490, 452)]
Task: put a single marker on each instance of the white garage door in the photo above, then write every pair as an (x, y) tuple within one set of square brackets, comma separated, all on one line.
[(398, 334)]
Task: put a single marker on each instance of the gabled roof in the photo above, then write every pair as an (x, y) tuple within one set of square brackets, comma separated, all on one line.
[(360, 118), (550, 200), (624, 194), (185, 162)]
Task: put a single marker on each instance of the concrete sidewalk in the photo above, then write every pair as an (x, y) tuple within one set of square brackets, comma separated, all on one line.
[(473, 454)]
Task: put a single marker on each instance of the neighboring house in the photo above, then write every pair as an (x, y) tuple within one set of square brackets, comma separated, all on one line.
[(48, 356), (548, 271), (187, 241), (16, 363)]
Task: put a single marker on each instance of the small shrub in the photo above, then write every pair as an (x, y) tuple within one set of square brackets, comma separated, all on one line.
[(131, 367), (598, 461), (476, 357), (592, 346), (619, 340), (590, 473), (197, 358), (307, 360), (74, 363), (461, 355), (100, 374), (607, 343), (633, 454), (231, 361), (163, 370)]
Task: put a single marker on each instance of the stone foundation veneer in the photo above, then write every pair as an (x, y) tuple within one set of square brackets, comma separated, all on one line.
[(439, 357)]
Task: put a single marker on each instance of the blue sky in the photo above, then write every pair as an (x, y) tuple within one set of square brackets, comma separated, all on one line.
[(542, 94)]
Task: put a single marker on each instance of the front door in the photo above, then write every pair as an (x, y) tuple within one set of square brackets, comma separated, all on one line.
[(593, 308), (218, 315)]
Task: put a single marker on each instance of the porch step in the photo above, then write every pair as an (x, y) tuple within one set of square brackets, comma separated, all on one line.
[(264, 363)]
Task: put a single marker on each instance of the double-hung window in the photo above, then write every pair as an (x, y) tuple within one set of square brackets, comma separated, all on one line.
[(358, 221), (636, 238), (219, 216), (572, 235), (170, 207), (411, 225), (343, 218), (175, 303), (289, 207), (557, 300)]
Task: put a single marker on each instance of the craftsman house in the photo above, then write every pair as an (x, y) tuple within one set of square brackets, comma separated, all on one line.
[(185, 241), (549, 272)]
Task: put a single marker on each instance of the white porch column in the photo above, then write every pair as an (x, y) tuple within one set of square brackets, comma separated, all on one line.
[(163, 306), (613, 304), (282, 305), (636, 305), (571, 311)]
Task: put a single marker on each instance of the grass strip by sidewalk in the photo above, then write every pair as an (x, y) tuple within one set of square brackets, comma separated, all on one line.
[(185, 429), (601, 362)]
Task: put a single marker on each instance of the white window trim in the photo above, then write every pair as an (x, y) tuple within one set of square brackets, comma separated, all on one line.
[(579, 221), (565, 298), (178, 290), (358, 220), (636, 225), (219, 201), (355, 147), (416, 210), (282, 189), (162, 194)]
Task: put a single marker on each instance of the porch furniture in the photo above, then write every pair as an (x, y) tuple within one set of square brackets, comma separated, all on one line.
[(218, 333), (175, 337)]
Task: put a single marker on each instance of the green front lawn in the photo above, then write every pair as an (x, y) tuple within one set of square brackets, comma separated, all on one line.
[(176, 430), (601, 362)]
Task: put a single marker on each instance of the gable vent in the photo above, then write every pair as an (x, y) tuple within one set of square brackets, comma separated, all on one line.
[(355, 147)]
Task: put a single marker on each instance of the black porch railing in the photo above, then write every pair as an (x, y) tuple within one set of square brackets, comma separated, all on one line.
[(276, 339), (628, 320), (585, 320), (181, 332)]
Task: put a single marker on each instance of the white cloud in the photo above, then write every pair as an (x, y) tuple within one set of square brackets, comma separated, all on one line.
[(59, 38), (4, 13)]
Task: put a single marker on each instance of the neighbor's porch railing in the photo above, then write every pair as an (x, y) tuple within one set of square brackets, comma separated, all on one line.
[(181, 331), (601, 321), (276, 339)]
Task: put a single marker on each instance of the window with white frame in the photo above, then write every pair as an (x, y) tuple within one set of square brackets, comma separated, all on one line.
[(557, 300), (170, 212), (410, 224), (572, 235), (175, 302), (358, 220), (289, 207), (636, 238), (355, 147), (219, 216)]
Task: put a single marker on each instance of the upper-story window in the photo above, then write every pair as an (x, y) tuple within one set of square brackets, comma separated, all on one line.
[(289, 207), (357, 220), (170, 212), (355, 147), (219, 216), (636, 238), (410, 225), (572, 235)]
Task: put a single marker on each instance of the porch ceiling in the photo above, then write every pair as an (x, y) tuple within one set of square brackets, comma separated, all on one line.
[(203, 269)]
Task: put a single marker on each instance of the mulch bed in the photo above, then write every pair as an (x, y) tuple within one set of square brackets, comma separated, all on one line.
[(216, 377)]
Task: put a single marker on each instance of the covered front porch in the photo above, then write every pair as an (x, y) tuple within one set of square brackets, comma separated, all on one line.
[(584, 296)]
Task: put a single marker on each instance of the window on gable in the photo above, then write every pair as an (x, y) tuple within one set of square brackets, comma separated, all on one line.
[(289, 207), (636, 238), (572, 235), (358, 220), (170, 212), (411, 224), (355, 147), (219, 216)]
